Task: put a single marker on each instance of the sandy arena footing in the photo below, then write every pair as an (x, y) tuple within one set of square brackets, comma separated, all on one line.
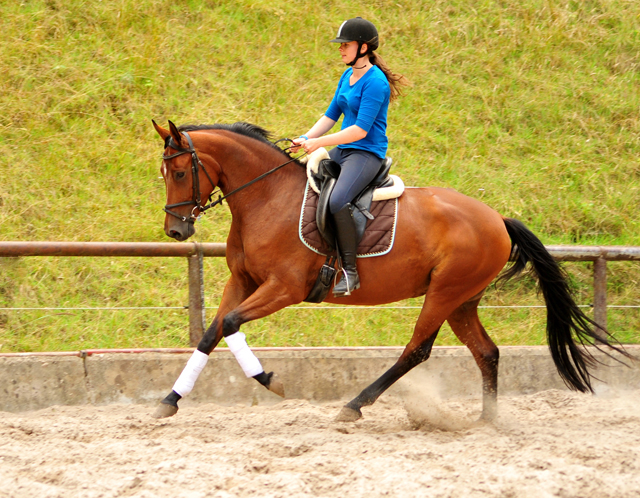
[(235, 439)]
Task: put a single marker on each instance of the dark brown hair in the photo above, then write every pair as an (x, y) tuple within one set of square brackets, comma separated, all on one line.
[(396, 81)]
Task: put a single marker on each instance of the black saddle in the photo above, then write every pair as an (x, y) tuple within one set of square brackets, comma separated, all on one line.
[(326, 177)]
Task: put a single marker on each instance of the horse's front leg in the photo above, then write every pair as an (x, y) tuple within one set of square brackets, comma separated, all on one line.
[(234, 293), (227, 324)]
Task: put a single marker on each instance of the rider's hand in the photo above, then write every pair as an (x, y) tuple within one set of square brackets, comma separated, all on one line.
[(310, 145), (297, 144)]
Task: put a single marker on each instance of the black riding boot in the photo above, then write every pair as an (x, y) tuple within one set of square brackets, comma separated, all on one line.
[(347, 245)]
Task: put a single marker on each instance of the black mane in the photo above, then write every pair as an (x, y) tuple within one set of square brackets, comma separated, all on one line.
[(246, 129)]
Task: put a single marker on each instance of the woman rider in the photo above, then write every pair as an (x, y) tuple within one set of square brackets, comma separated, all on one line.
[(362, 96)]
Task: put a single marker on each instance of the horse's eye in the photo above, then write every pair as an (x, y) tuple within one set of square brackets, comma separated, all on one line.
[(180, 175)]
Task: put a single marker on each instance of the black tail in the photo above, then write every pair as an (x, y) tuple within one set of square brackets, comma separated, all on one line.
[(564, 318)]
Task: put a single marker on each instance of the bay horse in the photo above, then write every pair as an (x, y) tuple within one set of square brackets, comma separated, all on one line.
[(448, 247)]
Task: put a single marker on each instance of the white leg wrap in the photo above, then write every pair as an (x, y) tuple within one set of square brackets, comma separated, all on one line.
[(238, 345), (189, 375)]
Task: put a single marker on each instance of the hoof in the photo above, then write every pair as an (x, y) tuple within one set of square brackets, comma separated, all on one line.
[(165, 411), (489, 414), (276, 386), (348, 415), (485, 418), (479, 422)]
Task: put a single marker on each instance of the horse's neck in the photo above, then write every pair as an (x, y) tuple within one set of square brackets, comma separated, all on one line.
[(275, 191)]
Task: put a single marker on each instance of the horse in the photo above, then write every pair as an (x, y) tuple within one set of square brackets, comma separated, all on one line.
[(448, 248)]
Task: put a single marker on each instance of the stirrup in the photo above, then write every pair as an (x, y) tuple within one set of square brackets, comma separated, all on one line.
[(343, 288)]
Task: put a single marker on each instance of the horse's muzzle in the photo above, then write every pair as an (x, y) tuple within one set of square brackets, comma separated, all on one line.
[(180, 230)]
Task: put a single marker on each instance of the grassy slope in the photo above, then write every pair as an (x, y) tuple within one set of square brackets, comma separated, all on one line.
[(532, 106)]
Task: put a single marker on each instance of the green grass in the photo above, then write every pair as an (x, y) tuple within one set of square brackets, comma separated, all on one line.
[(531, 106)]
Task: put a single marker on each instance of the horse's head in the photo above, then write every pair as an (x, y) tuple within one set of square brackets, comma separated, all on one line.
[(181, 170)]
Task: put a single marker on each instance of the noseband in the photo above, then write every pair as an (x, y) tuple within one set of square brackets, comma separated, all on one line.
[(196, 164)]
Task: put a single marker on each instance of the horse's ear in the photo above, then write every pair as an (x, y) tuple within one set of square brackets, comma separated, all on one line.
[(161, 131), (175, 134)]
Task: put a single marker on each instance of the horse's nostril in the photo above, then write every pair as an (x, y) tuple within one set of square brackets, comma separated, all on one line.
[(175, 234)]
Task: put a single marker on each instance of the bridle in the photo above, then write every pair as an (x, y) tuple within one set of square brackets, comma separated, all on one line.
[(196, 200), (196, 164)]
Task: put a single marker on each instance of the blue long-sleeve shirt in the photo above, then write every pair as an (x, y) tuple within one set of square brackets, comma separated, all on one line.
[(364, 104)]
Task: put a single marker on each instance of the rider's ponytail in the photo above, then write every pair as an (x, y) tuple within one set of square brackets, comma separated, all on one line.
[(396, 81)]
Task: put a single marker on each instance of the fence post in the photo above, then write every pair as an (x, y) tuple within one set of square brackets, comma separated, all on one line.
[(600, 293), (197, 315)]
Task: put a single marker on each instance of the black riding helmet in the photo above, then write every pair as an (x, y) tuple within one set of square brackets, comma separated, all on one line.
[(361, 31)]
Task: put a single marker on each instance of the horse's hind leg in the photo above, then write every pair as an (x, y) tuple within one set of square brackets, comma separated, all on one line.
[(442, 302), (409, 359), (466, 325), (417, 351)]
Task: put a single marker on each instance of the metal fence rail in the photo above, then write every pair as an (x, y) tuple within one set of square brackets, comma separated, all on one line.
[(599, 255), (195, 252), (147, 249)]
